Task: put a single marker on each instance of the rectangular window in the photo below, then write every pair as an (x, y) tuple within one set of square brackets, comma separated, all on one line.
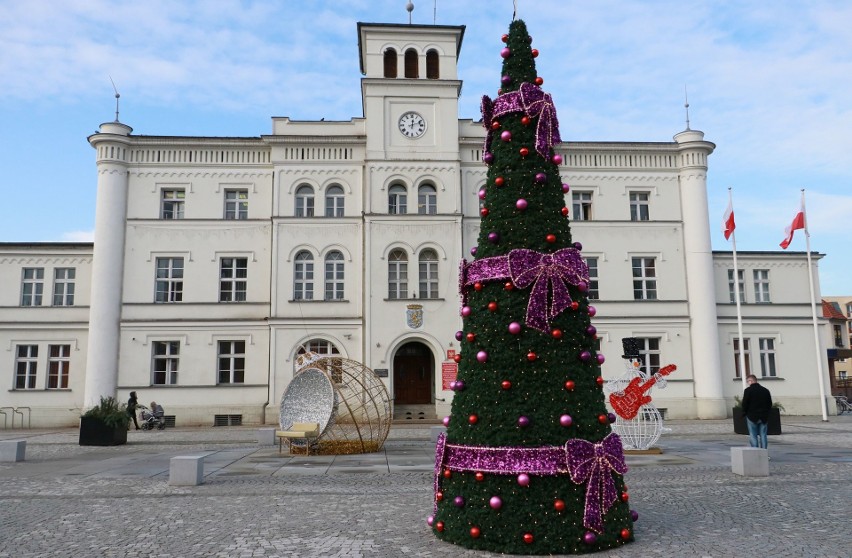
[(644, 279), (232, 362), (838, 335), (427, 201), (58, 364), (593, 279), (649, 351), (236, 204), (741, 281), (767, 357), (26, 366), (397, 279), (428, 279), (639, 206), (746, 357), (761, 285), (63, 286), (334, 279), (172, 207), (166, 361), (582, 205), (169, 280), (32, 286), (232, 279)]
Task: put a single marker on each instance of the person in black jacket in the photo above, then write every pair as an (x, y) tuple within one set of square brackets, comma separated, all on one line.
[(131, 409), (757, 403)]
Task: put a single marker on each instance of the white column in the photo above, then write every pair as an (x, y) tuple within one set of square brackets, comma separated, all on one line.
[(108, 264), (704, 333)]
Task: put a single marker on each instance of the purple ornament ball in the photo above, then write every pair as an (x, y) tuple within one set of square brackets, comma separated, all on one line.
[(506, 80), (458, 501), (566, 420), (466, 311), (506, 135), (610, 417), (482, 356), (446, 421), (460, 385), (453, 385), (592, 311), (473, 251), (634, 515), (565, 188), (521, 204), (493, 237), (430, 520), (590, 331), (524, 479), (482, 194), (459, 335), (488, 158), (578, 246), (582, 286), (523, 421), (540, 177), (514, 328), (495, 502), (557, 159), (585, 356), (600, 358), (506, 52), (590, 538)]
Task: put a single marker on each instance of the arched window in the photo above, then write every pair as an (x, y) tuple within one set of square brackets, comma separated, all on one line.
[(334, 201), (427, 200), (325, 349), (411, 63), (398, 274), (428, 274), (390, 63), (432, 71), (334, 276), (305, 201), (303, 276), (397, 200)]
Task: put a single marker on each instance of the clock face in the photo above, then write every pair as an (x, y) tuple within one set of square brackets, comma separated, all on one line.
[(412, 125)]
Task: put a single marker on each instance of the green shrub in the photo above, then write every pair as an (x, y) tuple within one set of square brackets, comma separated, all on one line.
[(110, 411)]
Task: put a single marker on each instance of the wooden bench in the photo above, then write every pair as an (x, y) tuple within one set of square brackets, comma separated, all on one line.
[(298, 431)]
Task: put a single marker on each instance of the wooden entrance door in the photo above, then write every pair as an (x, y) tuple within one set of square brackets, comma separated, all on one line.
[(412, 375)]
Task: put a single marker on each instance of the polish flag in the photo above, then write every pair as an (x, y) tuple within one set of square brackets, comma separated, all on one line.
[(798, 223), (728, 224)]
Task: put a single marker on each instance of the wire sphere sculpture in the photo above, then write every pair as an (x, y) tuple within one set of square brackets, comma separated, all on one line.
[(361, 409), (642, 431)]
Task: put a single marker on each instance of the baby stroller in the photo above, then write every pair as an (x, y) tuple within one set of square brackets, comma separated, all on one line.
[(151, 420)]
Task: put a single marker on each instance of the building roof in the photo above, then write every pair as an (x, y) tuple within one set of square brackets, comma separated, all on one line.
[(831, 310)]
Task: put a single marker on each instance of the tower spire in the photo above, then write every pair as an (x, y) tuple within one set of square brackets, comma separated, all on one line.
[(686, 105), (117, 96)]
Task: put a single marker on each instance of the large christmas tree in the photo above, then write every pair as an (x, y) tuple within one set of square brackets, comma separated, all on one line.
[(529, 464)]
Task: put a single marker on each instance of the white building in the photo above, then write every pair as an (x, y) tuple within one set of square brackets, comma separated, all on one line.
[(217, 260)]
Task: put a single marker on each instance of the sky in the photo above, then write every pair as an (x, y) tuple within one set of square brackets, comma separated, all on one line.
[(770, 83)]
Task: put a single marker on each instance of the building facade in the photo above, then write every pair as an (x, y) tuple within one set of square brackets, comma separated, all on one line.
[(217, 261)]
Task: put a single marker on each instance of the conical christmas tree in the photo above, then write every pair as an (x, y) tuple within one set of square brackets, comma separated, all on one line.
[(529, 464)]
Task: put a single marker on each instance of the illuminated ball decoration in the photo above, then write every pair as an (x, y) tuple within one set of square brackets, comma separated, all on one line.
[(535, 53), (495, 125), (495, 502), (508, 286), (482, 356), (603, 419), (521, 204), (524, 151), (475, 532), (523, 421), (477, 286), (531, 356), (556, 333), (457, 357), (492, 306), (559, 505), (479, 476), (458, 501), (539, 81), (484, 212), (575, 305), (566, 420), (551, 238), (528, 538), (506, 385), (625, 496), (524, 479), (569, 385), (471, 337), (590, 538), (439, 526), (557, 159), (505, 38), (506, 135), (525, 120), (505, 53), (499, 181), (625, 534), (514, 328), (473, 419), (466, 311), (448, 474), (565, 211)]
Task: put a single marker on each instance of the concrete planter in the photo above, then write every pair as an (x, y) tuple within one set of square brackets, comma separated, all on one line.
[(740, 426), (95, 432)]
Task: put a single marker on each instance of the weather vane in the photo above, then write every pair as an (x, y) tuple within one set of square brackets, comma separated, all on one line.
[(117, 96), (686, 106)]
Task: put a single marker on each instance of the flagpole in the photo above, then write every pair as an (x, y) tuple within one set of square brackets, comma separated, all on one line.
[(737, 298), (814, 316)]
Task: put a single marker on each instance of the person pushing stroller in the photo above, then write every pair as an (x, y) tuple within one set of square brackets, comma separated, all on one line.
[(154, 417)]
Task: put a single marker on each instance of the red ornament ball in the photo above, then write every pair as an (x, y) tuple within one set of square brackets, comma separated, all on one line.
[(505, 38), (477, 286), (492, 306), (556, 334), (474, 532), (569, 385), (599, 380), (535, 53), (625, 534), (539, 81), (559, 505), (531, 356), (575, 305), (439, 496), (603, 419), (508, 286), (551, 238), (506, 384), (528, 538), (448, 474), (565, 212), (495, 125), (457, 357), (499, 181), (471, 337), (479, 476), (524, 151), (439, 526), (484, 212), (525, 120), (625, 496), (472, 419)]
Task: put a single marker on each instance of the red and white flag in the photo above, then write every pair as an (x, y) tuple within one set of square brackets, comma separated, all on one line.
[(798, 223), (728, 224)]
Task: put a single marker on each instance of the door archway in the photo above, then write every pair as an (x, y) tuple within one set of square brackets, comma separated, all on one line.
[(413, 374)]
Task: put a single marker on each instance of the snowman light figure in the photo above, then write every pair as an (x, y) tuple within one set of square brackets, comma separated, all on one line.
[(638, 421)]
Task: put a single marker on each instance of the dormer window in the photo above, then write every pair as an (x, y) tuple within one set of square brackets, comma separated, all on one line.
[(432, 68), (411, 63), (390, 63)]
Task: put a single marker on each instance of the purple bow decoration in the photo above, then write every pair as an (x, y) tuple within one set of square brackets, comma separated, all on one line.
[(527, 267), (536, 102), (487, 108), (591, 463)]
